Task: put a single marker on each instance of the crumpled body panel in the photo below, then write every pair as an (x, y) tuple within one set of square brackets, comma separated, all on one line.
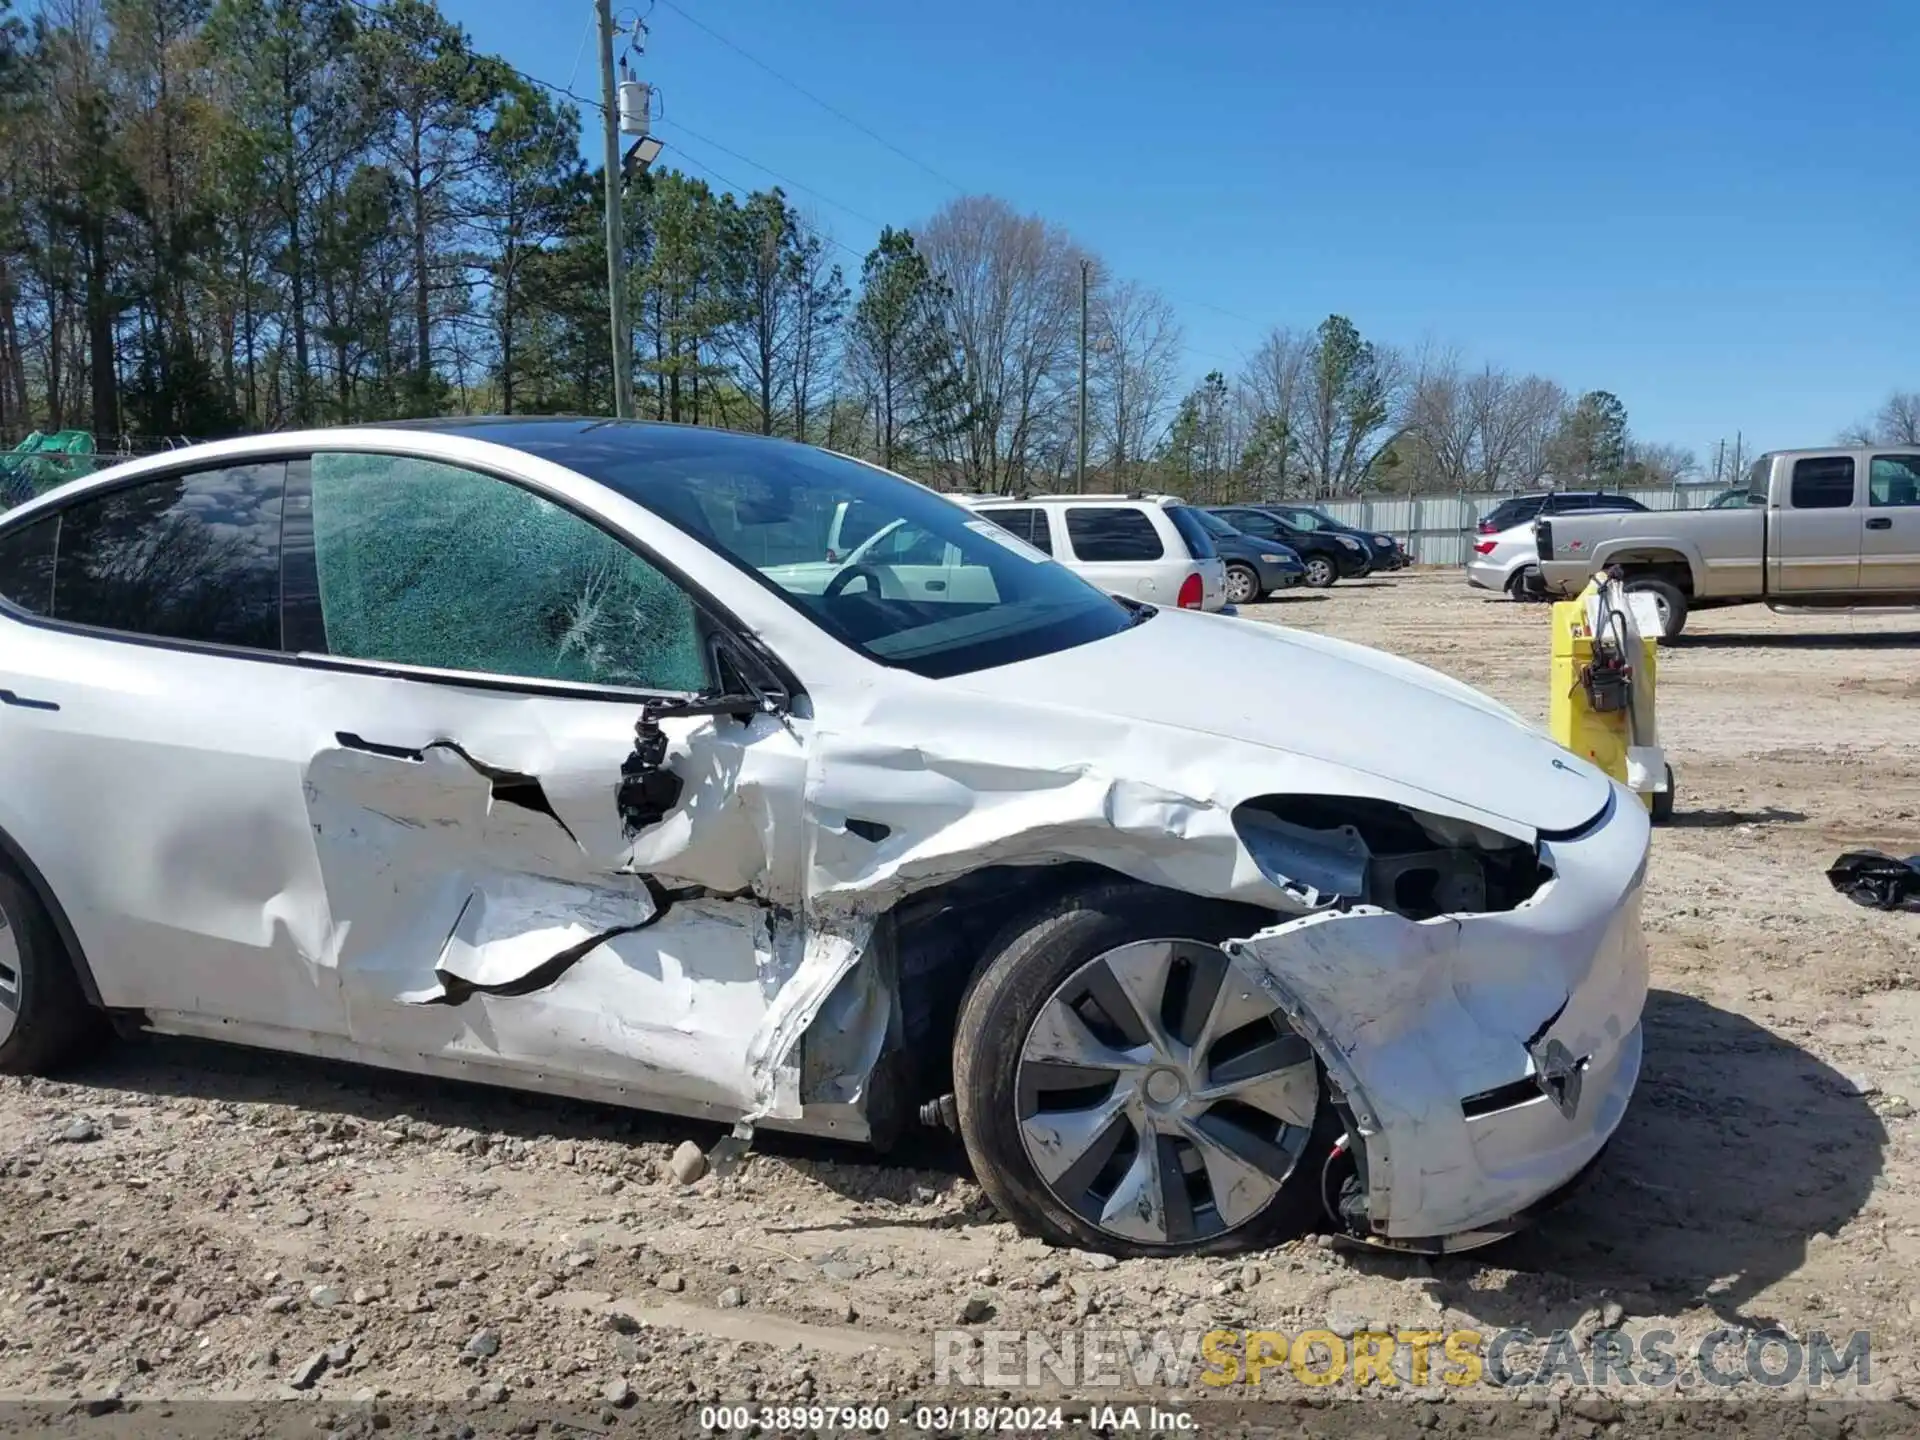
[(1485, 1058)]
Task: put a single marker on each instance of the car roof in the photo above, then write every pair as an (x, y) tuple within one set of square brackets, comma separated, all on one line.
[(1107, 499), (570, 441)]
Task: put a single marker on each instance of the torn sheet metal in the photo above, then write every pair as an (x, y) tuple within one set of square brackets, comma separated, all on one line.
[(521, 934), (1414, 1019)]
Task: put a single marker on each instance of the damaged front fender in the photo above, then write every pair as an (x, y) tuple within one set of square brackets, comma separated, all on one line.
[(1485, 1058)]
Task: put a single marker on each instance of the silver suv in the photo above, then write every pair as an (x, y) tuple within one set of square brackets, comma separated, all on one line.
[(1146, 547)]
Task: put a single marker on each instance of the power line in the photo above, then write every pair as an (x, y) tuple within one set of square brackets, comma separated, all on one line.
[(700, 164), (827, 106), (871, 134), (767, 169)]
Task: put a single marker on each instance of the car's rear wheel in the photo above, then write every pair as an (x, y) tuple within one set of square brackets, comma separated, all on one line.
[(43, 1014), (1321, 571), (1123, 1086), (1524, 583), (1243, 585)]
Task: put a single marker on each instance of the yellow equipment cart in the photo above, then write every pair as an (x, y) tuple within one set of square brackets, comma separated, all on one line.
[(1603, 678)]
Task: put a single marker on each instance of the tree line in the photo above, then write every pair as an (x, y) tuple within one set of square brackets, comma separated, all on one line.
[(220, 216)]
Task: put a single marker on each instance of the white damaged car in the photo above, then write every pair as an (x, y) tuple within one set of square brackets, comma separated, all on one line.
[(569, 755)]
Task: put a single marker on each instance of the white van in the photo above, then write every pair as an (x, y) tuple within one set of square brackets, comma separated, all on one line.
[(1146, 547)]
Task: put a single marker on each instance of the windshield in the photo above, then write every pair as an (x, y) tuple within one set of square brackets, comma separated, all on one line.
[(1214, 525), (888, 567), (1192, 530), (1732, 500)]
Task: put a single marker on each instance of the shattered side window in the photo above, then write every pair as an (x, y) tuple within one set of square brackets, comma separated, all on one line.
[(427, 564)]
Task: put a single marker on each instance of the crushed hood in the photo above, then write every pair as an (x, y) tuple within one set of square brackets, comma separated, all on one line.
[(1324, 699)]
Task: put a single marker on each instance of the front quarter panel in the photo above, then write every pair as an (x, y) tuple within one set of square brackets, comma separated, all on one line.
[(1412, 1019)]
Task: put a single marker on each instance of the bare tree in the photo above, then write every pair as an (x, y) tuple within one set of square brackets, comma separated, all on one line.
[(1651, 464), (1515, 421), (1134, 369), (1896, 422), (1441, 424), (1014, 305), (1269, 397)]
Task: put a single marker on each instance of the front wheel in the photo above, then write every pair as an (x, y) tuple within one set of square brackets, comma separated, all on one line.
[(1321, 571), (1123, 1086), (1243, 585)]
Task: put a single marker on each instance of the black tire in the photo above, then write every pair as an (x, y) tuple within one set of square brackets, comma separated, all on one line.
[(51, 1015), (1030, 960), (1322, 571), (1522, 584), (1671, 596), (1249, 584), (1663, 801)]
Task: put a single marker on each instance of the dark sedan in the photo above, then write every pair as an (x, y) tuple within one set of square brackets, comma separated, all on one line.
[(1327, 555), (1255, 567), (1382, 549)]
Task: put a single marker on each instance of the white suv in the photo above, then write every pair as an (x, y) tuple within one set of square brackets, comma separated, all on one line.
[(1146, 547)]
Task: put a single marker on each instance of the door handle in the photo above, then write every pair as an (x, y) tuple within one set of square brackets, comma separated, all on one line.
[(23, 702), (936, 584), (1880, 522)]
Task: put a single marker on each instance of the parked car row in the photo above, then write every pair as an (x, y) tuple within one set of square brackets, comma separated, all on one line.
[(1160, 549), (728, 777)]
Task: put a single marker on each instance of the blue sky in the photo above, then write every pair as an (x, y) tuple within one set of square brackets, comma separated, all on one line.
[(1709, 209)]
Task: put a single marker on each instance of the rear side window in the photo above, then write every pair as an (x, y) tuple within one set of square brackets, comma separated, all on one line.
[(1823, 483), (26, 565), (1029, 524), (1187, 522), (191, 557), (1893, 480), (1112, 533), (426, 564)]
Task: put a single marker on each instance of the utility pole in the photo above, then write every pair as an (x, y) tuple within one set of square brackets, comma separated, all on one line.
[(616, 239), (1080, 468)]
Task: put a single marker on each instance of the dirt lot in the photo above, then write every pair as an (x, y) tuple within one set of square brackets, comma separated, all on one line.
[(184, 1221)]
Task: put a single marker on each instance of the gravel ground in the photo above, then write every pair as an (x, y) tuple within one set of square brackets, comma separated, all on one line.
[(182, 1222)]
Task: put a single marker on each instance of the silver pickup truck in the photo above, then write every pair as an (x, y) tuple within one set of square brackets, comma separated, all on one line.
[(1829, 529)]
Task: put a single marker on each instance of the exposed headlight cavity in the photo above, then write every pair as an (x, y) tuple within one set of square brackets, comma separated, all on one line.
[(1335, 851)]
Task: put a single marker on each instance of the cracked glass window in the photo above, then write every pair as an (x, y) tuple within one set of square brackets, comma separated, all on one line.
[(427, 564)]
